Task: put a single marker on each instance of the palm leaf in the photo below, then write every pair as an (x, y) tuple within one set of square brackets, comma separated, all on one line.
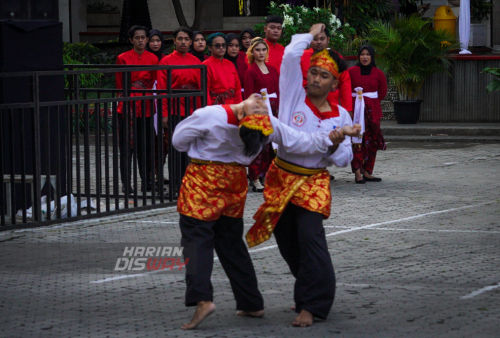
[(493, 85), (410, 51)]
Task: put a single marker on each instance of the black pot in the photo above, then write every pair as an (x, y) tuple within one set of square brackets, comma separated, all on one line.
[(407, 112)]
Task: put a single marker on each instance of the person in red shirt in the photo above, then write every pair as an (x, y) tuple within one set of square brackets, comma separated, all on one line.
[(222, 78), (199, 45), (181, 78), (273, 30), (156, 43), (344, 89), (369, 88), (257, 77), (139, 37), (246, 36), (233, 55)]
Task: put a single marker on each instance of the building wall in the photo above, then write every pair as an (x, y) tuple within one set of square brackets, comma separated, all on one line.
[(461, 97), (79, 19), (495, 27), (163, 14)]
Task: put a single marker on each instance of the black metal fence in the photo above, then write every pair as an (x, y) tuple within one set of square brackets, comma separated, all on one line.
[(95, 152)]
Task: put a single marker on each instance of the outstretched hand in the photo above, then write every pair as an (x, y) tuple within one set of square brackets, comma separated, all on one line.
[(353, 131), (337, 136)]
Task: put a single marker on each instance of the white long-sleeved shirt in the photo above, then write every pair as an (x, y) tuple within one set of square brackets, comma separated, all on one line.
[(296, 113), (212, 134)]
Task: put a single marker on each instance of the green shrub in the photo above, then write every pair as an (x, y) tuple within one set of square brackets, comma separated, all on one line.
[(84, 53), (480, 9), (495, 83), (360, 13), (299, 19), (409, 50)]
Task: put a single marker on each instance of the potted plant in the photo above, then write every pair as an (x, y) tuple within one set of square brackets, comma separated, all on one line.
[(408, 50)]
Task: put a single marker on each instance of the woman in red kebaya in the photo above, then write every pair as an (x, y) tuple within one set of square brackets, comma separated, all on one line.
[(155, 44), (233, 55), (246, 36), (222, 78), (369, 88), (259, 76), (199, 45)]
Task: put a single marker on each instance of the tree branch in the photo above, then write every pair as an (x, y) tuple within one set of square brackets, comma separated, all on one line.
[(179, 13), (198, 15)]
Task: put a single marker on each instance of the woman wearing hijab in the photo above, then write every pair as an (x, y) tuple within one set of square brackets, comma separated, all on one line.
[(246, 37), (198, 46), (369, 88), (223, 83), (156, 43), (233, 55)]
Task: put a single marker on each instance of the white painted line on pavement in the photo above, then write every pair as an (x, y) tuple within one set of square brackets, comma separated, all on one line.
[(425, 230), (480, 291), (406, 219), (103, 219), (151, 222), (328, 235)]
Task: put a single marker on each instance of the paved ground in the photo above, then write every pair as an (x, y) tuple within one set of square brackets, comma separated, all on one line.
[(415, 256)]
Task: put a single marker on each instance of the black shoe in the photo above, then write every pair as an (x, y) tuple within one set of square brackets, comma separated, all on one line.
[(130, 190), (332, 177), (372, 179), (361, 181), (157, 184)]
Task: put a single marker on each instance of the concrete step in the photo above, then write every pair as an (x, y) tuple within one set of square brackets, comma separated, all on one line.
[(392, 128), (449, 139)]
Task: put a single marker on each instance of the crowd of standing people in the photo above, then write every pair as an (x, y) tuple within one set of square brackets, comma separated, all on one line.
[(329, 116)]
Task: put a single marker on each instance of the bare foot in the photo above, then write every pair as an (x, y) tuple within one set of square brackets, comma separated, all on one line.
[(304, 319), (203, 310), (256, 314)]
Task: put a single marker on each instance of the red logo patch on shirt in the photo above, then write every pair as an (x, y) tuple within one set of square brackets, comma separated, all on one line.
[(298, 118)]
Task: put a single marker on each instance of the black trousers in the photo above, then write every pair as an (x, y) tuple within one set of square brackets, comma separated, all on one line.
[(144, 146), (302, 243), (199, 238)]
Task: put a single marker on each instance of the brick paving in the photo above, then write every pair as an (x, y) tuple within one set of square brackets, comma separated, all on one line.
[(406, 252)]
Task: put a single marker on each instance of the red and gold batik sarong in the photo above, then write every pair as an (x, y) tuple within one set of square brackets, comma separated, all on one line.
[(286, 182), (210, 189)]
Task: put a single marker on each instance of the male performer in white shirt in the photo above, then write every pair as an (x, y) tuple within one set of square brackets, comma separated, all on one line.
[(303, 180), (220, 140)]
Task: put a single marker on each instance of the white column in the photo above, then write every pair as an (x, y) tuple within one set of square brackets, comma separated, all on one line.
[(464, 26)]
